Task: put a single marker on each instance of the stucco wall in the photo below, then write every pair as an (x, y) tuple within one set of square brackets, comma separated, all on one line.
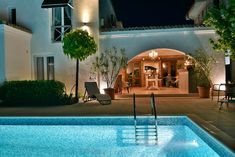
[(2, 61), (17, 54), (187, 40), (31, 15), (87, 11)]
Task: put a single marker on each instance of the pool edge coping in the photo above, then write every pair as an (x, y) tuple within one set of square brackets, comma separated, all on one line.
[(213, 131)]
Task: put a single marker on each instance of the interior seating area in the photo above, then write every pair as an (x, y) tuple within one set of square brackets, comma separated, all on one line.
[(155, 70)]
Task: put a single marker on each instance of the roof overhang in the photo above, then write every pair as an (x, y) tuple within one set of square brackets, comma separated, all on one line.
[(197, 8), (55, 3)]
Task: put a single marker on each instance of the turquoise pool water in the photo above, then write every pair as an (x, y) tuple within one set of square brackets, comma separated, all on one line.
[(104, 137)]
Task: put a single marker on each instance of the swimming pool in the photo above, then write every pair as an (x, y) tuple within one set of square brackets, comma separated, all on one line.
[(178, 136)]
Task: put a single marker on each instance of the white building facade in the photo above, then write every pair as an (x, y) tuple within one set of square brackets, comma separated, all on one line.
[(38, 54), (15, 57)]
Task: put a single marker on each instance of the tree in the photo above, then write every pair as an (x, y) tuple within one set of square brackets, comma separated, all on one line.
[(222, 19), (109, 63), (78, 44)]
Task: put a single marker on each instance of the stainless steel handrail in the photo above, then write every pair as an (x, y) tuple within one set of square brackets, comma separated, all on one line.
[(153, 110), (153, 105)]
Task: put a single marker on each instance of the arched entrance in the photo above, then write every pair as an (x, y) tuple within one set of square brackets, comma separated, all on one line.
[(160, 70)]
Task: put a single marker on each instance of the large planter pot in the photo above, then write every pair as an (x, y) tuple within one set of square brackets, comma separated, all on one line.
[(110, 92), (204, 92)]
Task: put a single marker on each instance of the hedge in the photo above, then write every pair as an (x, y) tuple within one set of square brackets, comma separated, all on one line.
[(31, 93)]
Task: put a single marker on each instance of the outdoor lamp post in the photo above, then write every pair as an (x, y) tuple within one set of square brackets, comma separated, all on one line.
[(227, 66)]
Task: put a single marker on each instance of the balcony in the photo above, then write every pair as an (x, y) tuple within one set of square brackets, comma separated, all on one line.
[(59, 31)]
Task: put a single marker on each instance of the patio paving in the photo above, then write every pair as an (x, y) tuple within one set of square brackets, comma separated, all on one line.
[(205, 112)]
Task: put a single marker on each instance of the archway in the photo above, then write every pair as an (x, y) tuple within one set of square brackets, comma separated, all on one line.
[(160, 70)]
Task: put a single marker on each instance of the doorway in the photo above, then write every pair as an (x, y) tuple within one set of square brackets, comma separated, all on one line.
[(160, 72)]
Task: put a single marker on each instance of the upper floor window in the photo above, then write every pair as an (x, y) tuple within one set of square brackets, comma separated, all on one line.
[(12, 16), (61, 22)]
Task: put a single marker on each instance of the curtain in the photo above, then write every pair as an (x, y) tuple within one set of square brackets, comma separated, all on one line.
[(68, 12), (56, 15)]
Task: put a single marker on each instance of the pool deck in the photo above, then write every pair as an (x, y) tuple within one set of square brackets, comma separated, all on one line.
[(205, 112)]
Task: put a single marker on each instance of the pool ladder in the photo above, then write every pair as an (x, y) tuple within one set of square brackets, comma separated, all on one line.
[(146, 133)]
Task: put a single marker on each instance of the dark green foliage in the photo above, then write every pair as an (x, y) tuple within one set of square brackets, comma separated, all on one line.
[(33, 93), (78, 44), (222, 20)]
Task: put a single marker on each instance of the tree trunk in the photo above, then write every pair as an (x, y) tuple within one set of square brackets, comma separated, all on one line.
[(76, 84)]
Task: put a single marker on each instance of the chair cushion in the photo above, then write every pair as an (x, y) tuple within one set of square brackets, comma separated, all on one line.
[(103, 97)]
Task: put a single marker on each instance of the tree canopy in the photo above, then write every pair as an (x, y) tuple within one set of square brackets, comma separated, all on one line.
[(222, 19), (78, 44)]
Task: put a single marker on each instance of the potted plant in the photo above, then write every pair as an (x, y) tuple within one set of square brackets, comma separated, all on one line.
[(202, 66), (108, 64)]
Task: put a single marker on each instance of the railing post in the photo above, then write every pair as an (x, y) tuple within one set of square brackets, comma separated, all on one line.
[(153, 106), (134, 108), (155, 114)]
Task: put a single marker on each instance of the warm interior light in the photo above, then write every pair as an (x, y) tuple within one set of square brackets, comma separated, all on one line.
[(188, 61), (163, 65), (85, 16), (153, 54)]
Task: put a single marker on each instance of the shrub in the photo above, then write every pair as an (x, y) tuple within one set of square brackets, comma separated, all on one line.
[(31, 93)]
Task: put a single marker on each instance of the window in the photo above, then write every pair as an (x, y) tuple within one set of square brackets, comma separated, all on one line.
[(50, 68), (61, 22), (12, 16), (40, 68)]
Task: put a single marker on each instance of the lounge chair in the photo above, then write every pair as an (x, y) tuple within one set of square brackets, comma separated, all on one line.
[(92, 91)]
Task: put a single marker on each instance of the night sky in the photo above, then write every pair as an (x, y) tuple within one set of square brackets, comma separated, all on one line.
[(137, 13)]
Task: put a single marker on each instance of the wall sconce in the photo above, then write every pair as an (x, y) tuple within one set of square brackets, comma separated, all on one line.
[(85, 26), (84, 23)]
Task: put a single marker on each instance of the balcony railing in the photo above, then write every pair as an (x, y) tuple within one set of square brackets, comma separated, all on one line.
[(59, 31)]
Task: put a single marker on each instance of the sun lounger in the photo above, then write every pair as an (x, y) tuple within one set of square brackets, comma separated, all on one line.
[(92, 91)]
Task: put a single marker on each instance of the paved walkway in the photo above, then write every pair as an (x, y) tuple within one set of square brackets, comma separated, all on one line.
[(220, 124)]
